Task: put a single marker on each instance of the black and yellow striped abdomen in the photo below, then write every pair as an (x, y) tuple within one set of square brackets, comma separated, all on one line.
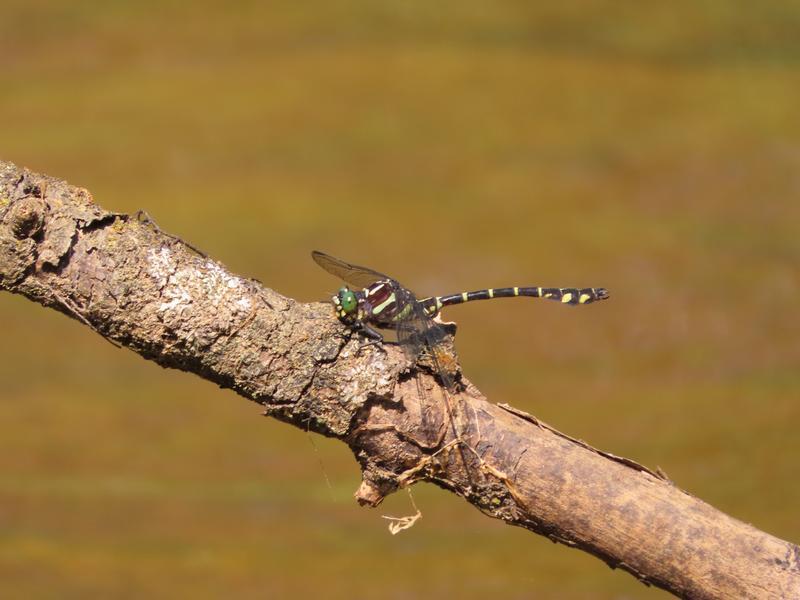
[(563, 295)]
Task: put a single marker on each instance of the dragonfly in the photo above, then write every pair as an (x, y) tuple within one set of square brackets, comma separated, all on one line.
[(372, 301)]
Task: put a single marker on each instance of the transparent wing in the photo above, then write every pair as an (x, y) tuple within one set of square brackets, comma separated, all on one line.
[(410, 330), (359, 277), (420, 332)]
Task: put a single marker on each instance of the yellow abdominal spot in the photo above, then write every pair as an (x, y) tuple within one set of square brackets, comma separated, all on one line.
[(566, 298)]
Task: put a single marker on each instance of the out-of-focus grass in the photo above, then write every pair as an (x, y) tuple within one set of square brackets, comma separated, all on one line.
[(454, 145)]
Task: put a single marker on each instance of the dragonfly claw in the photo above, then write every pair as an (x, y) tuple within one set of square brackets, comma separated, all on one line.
[(370, 343)]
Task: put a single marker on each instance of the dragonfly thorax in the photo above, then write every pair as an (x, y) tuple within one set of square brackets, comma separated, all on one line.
[(383, 303), (377, 304)]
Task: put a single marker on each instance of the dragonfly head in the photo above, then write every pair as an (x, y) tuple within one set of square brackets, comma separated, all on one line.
[(346, 303)]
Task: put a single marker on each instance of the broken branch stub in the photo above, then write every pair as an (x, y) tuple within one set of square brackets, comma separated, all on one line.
[(148, 291)]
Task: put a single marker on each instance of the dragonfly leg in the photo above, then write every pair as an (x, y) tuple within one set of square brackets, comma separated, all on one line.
[(375, 338)]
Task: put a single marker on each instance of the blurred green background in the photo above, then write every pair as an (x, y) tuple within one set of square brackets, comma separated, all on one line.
[(649, 148)]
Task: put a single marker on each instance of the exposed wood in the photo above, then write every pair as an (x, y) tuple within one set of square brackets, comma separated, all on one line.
[(145, 290)]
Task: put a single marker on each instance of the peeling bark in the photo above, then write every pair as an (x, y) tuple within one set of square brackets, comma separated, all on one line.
[(150, 292)]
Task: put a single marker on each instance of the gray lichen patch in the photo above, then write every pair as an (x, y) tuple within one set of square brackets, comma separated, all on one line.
[(198, 299)]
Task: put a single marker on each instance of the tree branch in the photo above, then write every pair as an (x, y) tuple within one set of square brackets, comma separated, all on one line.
[(150, 292)]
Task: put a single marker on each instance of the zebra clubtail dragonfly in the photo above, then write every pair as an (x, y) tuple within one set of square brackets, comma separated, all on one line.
[(379, 301)]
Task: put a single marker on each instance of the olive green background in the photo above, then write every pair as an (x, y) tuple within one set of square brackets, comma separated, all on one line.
[(651, 148)]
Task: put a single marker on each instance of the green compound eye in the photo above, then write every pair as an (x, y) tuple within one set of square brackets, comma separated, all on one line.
[(347, 300)]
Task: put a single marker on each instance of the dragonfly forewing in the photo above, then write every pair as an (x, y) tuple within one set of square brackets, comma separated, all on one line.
[(360, 277)]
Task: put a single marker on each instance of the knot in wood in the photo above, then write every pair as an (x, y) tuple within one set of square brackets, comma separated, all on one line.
[(26, 217)]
